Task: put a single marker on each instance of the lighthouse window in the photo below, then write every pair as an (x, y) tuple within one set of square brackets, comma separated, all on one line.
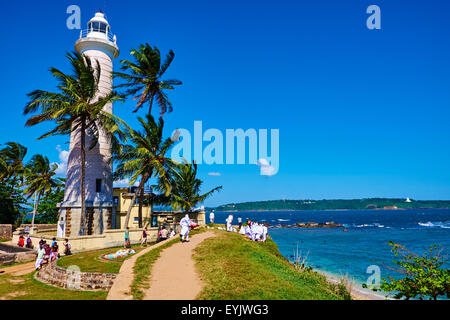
[(98, 185), (103, 27), (97, 26)]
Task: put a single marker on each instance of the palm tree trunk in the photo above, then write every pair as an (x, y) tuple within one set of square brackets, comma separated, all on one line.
[(36, 203), (83, 173), (151, 104), (141, 185), (141, 201)]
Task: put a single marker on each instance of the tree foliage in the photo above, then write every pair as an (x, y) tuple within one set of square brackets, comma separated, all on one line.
[(425, 277), (12, 200), (185, 187), (144, 82), (144, 157)]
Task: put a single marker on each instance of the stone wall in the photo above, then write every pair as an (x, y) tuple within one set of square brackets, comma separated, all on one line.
[(11, 253), (40, 229), (74, 279), (6, 231), (110, 238)]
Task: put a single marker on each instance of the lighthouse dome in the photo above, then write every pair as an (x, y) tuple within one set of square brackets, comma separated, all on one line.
[(98, 27), (98, 35)]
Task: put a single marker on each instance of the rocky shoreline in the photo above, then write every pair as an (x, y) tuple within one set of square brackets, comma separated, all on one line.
[(330, 224)]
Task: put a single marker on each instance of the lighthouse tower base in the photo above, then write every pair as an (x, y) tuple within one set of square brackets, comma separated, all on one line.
[(97, 219)]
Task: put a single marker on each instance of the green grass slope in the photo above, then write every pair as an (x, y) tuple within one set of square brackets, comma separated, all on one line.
[(232, 267)]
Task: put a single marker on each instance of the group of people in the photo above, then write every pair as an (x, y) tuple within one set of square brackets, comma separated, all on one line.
[(47, 253), (163, 234), (254, 230)]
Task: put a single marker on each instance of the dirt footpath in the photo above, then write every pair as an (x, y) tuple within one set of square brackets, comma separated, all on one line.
[(173, 275), (18, 270)]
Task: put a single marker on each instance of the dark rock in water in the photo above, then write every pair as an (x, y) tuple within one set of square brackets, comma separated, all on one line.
[(309, 224)]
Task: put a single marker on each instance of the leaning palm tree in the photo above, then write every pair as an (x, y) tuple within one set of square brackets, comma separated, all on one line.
[(144, 81), (144, 158), (77, 107), (185, 192), (39, 179)]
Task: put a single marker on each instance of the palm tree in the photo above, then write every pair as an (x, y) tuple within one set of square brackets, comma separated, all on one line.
[(144, 79), (77, 107), (39, 174), (185, 193), (12, 161), (11, 177), (143, 158)]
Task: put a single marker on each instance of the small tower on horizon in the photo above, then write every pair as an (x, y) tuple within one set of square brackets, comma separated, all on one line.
[(98, 43)]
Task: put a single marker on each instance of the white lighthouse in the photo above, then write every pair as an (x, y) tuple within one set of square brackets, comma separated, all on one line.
[(98, 43)]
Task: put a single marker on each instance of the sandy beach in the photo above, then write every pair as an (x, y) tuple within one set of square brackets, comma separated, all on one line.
[(357, 292)]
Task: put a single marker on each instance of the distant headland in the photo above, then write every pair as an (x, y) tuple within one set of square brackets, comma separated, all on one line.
[(338, 204)]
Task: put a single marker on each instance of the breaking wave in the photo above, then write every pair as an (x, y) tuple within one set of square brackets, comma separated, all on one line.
[(439, 224)]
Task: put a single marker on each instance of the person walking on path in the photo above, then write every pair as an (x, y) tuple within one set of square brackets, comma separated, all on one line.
[(127, 238), (185, 223), (144, 237)]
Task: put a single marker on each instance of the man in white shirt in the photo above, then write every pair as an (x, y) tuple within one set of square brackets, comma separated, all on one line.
[(211, 217)]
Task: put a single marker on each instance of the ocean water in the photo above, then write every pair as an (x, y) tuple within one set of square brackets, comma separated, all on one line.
[(363, 246)]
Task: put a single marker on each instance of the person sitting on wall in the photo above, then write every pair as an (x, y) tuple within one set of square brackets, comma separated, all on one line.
[(54, 254), (172, 233), (193, 225), (40, 256), (163, 234), (48, 252), (29, 244), (21, 242)]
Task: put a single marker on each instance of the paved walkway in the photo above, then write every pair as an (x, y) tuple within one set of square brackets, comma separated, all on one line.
[(184, 263)]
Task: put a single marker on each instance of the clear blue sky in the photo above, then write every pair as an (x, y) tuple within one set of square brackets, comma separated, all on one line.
[(361, 113)]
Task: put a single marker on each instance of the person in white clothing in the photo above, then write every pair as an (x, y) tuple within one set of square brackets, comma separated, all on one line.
[(211, 217), (229, 222), (256, 231), (185, 223), (264, 235)]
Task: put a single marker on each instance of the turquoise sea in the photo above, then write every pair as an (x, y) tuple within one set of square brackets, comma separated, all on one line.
[(365, 243)]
